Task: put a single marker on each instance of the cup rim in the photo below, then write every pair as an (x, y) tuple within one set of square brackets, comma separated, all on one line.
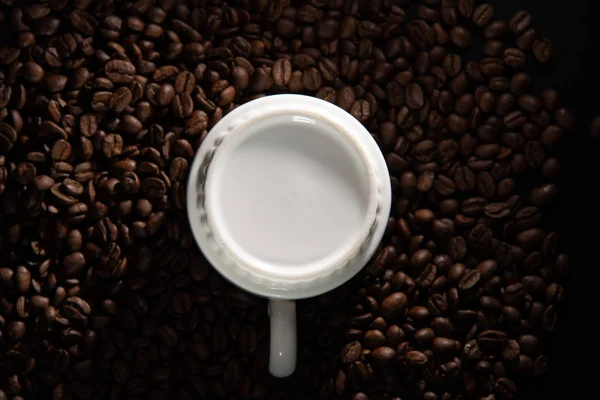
[(281, 286)]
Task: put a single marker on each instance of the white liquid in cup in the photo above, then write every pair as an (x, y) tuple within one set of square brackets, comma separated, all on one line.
[(290, 195)]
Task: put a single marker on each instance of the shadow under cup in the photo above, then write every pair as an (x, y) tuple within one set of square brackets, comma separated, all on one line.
[(291, 197)]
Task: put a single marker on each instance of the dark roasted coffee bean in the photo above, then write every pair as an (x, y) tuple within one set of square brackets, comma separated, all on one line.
[(550, 99), (542, 194), (421, 34), (542, 50), (494, 48), (505, 388), (465, 7), (483, 14), (464, 179), (416, 358), (519, 22), (526, 40), (394, 305), (469, 280), (351, 352), (312, 79), (282, 72), (461, 37), (496, 30), (594, 129), (414, 96), (514, 58), (565, 119), (119, 71)]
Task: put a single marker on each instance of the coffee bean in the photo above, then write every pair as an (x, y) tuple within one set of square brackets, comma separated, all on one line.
[(505, 388), (416, 358), (351, 352), (83, 22), (514, 58), (464, 179), (421, 34), (182, 105), (165, 94), (542, 50), (526, 40), (594, 129), (457, 123), (121, 99), (469, 280), (461, 37), (414, 96), (486, 101), (496, 30), (511, 350), (445, 347), (542, 194), (492, 340), (565, 119), (282, 72), (119, 71), (519, 22), (382, 355), (483, 14), (497, 210), (534, 153), (465, 7), (361, 110), (8, 55), (449, 12), (465, 104), (494, 48), (394, 305)]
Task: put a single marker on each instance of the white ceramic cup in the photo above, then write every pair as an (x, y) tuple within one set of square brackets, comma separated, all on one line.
[(288, 197)]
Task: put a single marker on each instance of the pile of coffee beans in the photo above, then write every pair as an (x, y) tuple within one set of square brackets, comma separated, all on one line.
[(103, 293)]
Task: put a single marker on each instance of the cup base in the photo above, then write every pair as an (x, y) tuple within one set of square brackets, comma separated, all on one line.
[(290, 195)]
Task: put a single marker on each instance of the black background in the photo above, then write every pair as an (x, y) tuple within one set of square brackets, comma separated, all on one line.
[(574, 28)]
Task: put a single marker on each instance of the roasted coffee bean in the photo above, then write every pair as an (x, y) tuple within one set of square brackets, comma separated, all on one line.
[(421, 34), (594, 129), (565, 119), (469, 280), (505, 388), (483, 14), (351, 352), (120, 71), (519, 22), (461, 37), (526, 40), (465, 7), (394, 305), (542, 50), (416, 358), (514, 58), (311, 79), (414, 96), (494, 48), (464, 179), (282, 72)]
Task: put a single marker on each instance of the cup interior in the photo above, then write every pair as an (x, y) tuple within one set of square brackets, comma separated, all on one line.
[(290, 196)]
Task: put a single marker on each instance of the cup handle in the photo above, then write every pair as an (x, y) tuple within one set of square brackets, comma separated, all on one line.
[(282, 359)]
